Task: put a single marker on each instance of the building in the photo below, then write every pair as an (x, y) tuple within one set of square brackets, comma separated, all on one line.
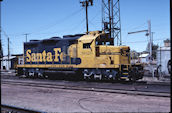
[(20, 60), (6, 63), (12, 62), (144, 58), (164, 59)]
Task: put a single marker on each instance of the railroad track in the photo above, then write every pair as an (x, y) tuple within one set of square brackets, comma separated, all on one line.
[(14, 109), (133, 91), (7, 77)]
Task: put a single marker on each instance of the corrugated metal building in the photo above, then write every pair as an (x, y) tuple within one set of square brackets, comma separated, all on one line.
[(12, 62), (164, 60), (144, 58), (7, 64)]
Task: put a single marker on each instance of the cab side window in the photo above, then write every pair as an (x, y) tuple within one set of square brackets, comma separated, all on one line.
[(87, 46)]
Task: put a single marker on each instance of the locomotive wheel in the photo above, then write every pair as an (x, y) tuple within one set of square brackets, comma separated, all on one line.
[(169, 66), (158, 71), (88, 74), (35, 75), (98, 77), (45, 76), (27, 74), (134, 73), (79, 75), (40, 75)]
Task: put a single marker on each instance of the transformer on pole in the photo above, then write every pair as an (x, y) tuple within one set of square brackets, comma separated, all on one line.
[(111, 22)]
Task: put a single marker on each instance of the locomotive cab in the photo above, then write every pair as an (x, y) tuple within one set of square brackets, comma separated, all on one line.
[(100, 57)]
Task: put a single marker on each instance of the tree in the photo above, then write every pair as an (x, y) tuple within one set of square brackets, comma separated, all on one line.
[(167, 41), (154, 49)]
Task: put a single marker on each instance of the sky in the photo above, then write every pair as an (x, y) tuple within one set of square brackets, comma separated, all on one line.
[(42, 19)]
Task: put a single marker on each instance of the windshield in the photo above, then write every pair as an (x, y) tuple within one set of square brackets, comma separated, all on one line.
[(104, 40)]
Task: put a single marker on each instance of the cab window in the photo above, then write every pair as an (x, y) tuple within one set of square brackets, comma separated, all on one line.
[(87, 46), (104, 43)]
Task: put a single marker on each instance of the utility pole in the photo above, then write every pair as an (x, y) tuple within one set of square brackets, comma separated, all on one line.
[(1, 50), (26, 36), (85, 4), (150, 35), (8, 53), (152, 43)]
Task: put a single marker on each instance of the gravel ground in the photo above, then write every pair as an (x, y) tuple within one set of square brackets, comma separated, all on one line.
[(62, 100)]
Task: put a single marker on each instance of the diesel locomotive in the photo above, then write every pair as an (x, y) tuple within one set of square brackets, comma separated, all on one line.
[(89, 56)]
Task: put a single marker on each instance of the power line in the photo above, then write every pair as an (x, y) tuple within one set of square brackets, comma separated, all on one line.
[(140, 26), (5, 34), (52, 25), (74, 27), (145, 41), (60, 21)]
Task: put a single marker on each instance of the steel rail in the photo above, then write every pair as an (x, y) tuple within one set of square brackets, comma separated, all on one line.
[(14, 109), (137, 82), (106, 90)]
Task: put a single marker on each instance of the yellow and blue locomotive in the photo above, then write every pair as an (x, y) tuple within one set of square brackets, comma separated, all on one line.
[(92, 55)]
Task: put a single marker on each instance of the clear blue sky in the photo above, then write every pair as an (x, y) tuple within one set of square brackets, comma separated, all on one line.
[(47, 18)]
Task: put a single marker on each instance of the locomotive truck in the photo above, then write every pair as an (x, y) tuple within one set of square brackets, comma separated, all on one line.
[(89, 56)]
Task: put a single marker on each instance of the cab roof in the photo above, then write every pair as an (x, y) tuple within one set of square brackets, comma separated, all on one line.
[(88, 38)]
